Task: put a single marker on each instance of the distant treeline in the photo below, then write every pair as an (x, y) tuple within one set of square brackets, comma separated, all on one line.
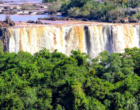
[(109, 11), (54, 81)]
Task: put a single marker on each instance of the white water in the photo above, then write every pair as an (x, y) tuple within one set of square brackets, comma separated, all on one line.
[(90, 39)]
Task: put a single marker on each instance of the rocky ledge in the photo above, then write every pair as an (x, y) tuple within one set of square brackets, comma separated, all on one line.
[(36, 22), (8, 22), (64, 19), (123, 20)]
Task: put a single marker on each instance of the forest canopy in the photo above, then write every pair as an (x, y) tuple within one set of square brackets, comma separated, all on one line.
[(54, 81), (99, 10)]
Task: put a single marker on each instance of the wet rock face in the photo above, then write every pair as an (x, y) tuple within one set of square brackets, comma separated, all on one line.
[(4, 37)]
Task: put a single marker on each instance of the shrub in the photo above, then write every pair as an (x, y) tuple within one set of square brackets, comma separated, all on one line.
[(28, 7), (114, 15), (99, 11), (133, 17), (138, 15), (92, 72), (1, 47), (73, 12), (46, 1), (55, 6)]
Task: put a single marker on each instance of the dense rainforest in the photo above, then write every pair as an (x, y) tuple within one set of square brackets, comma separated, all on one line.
[(100, 10), (54, 81)]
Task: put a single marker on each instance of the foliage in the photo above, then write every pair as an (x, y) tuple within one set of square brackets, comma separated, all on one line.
[(114, 15), (138, 15), (46, 81), (104, 10), (55, 6), (1, 47), (28, 7), (46, 1)]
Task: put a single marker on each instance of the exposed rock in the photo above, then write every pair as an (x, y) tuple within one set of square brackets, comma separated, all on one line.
[(23, 14), (4, 24), (52, 18), (52, 12), (45, 11), (30, 12), (14, 7), (47, 23), (7, 23), (0, 24), (63, 19), (36, 22), (7, 12), (15, 10), (39, 13), (116, 21), (59, 14), (133, 21), (12, 23), (1, 2), (30, 21), (40, 6), (125, 20), (7, 8), (39, 22), (84, 19)]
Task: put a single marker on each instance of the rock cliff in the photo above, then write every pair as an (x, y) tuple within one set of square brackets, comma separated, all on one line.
[(91, 39)]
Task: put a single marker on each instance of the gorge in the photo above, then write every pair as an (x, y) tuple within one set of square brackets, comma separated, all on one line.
[(89, 38)]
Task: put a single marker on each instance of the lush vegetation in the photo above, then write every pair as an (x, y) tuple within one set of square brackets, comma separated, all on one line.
[(109, 10), (46, 81)]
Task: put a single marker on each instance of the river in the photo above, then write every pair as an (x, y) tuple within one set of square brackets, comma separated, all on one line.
[(25, 17), (21, 1)]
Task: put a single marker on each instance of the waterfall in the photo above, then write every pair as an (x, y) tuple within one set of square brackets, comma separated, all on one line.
[(91, 39)]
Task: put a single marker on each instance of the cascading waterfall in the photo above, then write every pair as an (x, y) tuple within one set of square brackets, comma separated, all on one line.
[(91, 39)]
